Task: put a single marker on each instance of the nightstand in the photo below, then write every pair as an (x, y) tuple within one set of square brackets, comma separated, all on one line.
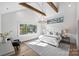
[(65, 40)]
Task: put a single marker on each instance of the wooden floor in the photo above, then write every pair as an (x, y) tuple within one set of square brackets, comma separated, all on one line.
[(25, 51), (73, 50)]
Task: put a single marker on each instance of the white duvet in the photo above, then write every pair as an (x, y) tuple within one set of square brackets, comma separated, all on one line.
[(50, 40)]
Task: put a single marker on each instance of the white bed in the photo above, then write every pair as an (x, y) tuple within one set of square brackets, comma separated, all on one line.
[(42, 47), (53, 40)]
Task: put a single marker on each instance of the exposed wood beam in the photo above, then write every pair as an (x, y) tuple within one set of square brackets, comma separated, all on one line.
[(53, 6), (32, 8)]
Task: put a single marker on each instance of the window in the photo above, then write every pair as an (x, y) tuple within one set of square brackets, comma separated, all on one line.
[(27, 28)]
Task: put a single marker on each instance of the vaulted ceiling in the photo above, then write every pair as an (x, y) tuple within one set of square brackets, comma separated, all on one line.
[(40, 7), (44, 7)]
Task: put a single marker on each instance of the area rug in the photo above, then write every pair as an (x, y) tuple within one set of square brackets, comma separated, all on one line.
[(44, 49)]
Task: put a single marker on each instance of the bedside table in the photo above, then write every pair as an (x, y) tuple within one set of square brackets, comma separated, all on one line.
[(65, 40)]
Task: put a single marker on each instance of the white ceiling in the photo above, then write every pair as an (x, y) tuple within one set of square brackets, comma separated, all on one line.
[(6, 7)]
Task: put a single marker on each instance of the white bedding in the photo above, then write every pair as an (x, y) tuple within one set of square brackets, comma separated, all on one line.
[(44, 49), (50, 39)]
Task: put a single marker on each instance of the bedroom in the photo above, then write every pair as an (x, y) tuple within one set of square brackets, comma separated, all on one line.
[(16, 19)]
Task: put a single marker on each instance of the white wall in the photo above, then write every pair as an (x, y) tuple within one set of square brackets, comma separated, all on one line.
[(69, 20), (0, 27), (56, 27), (11, 22), (0, 21), (77, 23), (52, 14)]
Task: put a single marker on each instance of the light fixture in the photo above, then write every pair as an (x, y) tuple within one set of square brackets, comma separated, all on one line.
[(69, 5)]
